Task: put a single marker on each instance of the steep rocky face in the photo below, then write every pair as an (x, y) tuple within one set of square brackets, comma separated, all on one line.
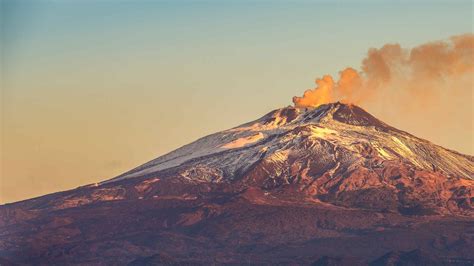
[(336, 153), (292, 186), (301, 133)]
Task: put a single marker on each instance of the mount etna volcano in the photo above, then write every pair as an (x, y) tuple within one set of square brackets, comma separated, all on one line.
[(331, 185)]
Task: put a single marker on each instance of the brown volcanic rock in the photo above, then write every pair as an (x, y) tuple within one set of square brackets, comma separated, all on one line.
[(156, 259), (411, 258), (226, 228), (338, 261), (331, 186)]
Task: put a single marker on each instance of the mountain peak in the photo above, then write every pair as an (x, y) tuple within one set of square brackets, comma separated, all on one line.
[(345, 113), (322, 133), (293, 172), (355, 115)]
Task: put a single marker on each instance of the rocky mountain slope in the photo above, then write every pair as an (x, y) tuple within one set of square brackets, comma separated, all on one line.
[(330, 186), (336, 153)]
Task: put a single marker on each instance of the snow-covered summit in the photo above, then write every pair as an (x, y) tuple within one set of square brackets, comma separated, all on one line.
[(294, 135)]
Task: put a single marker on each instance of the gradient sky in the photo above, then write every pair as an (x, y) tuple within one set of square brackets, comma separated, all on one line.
[(91, 89)]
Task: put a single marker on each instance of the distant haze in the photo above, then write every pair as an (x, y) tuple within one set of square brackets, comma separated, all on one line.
[(90, 89)]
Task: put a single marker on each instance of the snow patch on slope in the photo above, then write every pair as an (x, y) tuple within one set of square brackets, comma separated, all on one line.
[(241, 142)]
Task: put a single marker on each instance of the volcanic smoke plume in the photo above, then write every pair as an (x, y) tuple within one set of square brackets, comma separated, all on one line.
[(425, 85)]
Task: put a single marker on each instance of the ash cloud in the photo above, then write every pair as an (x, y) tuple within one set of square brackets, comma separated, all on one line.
[(428, 85), (424, 67)]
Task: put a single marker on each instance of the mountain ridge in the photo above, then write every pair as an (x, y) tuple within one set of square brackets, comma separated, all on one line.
[(323, 185), (280, 121)]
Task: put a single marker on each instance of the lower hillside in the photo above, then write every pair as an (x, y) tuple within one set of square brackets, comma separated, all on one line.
[(155, 221)]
